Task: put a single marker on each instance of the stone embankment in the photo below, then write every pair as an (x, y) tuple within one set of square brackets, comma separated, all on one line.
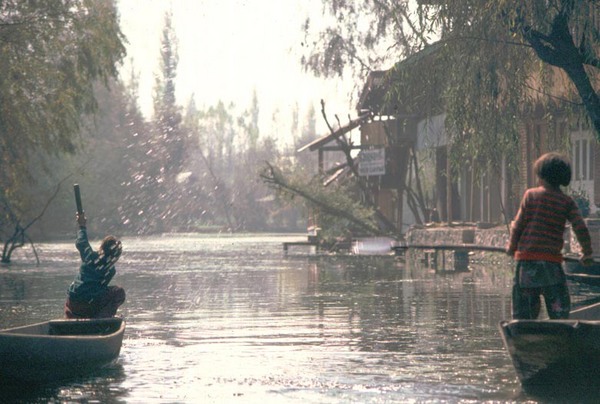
[(489, 236), (457, 234), (456, 246)]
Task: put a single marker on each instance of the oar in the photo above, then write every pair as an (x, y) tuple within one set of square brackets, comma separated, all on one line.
[(78, 199)]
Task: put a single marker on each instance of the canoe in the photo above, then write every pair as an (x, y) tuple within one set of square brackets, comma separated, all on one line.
[(556, 355), (588, 279), (58, 349), (575, 272), (571, 265)]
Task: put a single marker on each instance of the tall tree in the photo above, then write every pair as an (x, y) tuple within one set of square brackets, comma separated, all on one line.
[(253, 130), (51, 53), (169, 135), (169, 138), (218, 132)]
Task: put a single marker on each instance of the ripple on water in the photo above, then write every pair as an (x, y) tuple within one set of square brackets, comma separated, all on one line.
[(219, 319)]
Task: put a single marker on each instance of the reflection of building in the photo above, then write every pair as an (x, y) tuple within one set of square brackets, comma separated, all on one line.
[(418, 178)]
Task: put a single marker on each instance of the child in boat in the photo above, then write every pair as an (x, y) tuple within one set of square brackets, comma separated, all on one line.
[(536, 241), (89, 295)]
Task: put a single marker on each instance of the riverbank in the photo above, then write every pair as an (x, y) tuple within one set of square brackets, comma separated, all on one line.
[(486, 235), (458, 233)]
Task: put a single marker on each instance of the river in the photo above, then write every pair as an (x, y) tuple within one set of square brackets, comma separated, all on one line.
[(231, 319)]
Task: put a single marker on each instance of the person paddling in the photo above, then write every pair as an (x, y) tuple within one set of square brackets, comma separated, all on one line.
[(536, 241), (89, 295)]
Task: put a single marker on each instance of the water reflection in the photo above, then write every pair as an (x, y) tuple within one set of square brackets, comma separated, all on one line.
[(215, 319), (97, 387)]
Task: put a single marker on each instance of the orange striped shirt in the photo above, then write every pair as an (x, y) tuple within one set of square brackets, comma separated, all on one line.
[(538, 228)]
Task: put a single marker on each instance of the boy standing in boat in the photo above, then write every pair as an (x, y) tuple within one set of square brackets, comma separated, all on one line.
[(89, 295), (536, 241)]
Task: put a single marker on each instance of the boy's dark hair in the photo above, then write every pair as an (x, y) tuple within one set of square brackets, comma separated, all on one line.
[(553, 168), (111, 247)]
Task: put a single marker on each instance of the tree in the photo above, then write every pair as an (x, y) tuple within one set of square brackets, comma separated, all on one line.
[(252, 126), (110, 166), (113, 160), (51, 54), (340, 211), (306, 160), (488, 55), (564, 34), (169, 136)]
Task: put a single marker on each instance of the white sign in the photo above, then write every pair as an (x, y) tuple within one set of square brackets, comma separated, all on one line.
[(372, 162)]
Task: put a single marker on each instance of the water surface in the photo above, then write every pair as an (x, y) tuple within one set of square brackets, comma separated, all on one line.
[(230, 319)]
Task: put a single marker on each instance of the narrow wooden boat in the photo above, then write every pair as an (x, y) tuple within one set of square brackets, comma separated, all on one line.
[(556, 355), (58, 348), (588, 279), (571, 265)]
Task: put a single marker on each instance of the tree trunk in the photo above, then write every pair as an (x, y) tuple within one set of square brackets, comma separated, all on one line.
[(558, 49)]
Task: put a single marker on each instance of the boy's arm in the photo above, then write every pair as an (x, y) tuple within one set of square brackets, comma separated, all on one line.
[(581, 231), (516, 229), (82, 243)]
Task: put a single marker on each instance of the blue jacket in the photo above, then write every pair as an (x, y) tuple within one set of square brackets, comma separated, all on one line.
[(95, 272)]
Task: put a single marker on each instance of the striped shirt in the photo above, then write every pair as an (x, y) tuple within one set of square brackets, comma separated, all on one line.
[(537, 231)]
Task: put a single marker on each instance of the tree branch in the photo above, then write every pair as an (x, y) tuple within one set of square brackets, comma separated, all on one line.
[(274, 179)]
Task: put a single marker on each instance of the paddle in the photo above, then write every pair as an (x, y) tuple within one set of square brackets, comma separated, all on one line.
[(78, 199)]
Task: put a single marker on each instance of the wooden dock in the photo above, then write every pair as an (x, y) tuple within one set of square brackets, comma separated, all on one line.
[(311, 241), (288, 244)]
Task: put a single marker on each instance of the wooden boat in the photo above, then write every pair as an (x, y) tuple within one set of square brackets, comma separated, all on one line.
[(588, 279), (58, 348), (572, 265), (575, 272), (556, 355)]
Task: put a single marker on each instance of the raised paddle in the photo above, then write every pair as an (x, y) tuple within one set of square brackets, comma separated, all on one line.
[(78, 199)]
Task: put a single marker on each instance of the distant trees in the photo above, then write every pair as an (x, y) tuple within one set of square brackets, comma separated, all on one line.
[(167, 139), (225, 163), (182, 169)]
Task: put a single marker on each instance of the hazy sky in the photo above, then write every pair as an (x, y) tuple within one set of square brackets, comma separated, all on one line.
[(228, 48)]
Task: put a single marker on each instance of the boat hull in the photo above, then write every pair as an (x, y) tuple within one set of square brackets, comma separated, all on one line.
[(553, 353), (571, 265), (588, 279), (556, 355), (58, 349)]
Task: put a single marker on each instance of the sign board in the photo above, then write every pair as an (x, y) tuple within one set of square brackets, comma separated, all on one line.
[(371, 162)]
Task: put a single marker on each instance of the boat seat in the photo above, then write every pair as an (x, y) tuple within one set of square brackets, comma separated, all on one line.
[(75, 327)]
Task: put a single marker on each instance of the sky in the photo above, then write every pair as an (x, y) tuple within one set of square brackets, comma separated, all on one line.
[(230, 48)]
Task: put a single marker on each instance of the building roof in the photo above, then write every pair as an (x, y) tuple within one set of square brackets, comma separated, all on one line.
[(375, 96), (323, 140), (372, 96)]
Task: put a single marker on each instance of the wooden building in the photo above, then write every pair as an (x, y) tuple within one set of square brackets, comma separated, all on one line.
[(416, 183)]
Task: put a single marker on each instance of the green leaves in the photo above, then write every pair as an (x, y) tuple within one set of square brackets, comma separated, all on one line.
[(484, 69), (51, 52)]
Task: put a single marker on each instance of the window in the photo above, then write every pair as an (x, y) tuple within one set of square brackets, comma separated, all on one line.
[(583, 157)]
